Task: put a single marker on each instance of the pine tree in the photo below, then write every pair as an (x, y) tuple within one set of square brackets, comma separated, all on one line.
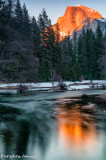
[(65, 72), (47, 38), (66, 55), (69, 49), (99, 42), (49, 49), (3, 27), (10, 6), (43, 23), (77, 69), (26, 21), (99, 51), (57, 34), (36, 38), (75, 45), (91, 54), (82, 54), (57, 50), (75, 48), (3, 12), (73, 75), (18, 16)]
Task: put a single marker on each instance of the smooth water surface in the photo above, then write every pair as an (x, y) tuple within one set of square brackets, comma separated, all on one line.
[(51, 126)]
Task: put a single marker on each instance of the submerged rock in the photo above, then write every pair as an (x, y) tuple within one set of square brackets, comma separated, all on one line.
[(84, 96), (89, 108), (101, 98)]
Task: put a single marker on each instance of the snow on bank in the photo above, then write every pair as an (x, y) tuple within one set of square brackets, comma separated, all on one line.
[(48, 85), (78, 87)]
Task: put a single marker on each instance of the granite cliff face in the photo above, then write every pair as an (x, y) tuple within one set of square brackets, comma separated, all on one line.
[(94, 24), (76, 17)]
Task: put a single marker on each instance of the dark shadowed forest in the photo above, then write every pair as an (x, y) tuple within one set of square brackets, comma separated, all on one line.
[(31, 50)]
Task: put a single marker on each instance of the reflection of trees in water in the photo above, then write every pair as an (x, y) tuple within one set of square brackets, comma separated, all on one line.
[(23, 136), (7, 136), (18, 129)]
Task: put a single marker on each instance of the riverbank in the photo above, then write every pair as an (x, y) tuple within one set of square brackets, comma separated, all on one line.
[(71, 86)]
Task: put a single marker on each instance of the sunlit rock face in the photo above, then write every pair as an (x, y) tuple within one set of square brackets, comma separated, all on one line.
[(75, 17)]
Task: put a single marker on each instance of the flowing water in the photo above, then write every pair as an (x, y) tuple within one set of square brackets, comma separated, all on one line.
[(51, 126)]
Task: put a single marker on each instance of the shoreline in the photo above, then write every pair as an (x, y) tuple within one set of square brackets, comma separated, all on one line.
[(71, 86)]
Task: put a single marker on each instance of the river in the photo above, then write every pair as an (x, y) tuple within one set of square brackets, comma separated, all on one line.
[(51, 126)]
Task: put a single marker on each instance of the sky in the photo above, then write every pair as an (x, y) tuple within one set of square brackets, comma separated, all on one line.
[(56, 8)]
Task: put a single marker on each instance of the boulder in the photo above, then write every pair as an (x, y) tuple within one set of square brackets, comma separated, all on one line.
[(101, 98), (91, 108), (84, 96)]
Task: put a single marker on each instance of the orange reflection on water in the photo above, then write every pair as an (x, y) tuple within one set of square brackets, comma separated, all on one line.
[(77, 129)]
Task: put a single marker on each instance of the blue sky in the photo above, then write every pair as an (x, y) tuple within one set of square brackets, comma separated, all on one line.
[(56, 8)]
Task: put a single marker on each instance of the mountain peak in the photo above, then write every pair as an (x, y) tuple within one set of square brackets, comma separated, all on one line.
[(75, 16)]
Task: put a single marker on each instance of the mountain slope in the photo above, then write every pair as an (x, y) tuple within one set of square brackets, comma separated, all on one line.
[(75, 17), (93, 25)]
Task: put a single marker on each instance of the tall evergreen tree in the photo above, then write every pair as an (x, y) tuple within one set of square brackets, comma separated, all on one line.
[(65, 72), (84, 63), (57, 49), (26, 21), (18, 16), (36, 38), (49, 49), (91, 55), (47, 38), (69, 49), (73, 75), (99, 51), (75, 48), (43, 22), (3, 12), (82, 54), (77, 69), (10, 6)]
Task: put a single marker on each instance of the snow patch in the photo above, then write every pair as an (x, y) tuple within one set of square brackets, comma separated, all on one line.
[(78, 87), (63, 34), (78, 5), (48, 85), (102, 19), (90, 10)]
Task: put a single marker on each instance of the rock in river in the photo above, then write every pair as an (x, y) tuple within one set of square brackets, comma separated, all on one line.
[(84, 96), (91, 108), (101, 98)]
